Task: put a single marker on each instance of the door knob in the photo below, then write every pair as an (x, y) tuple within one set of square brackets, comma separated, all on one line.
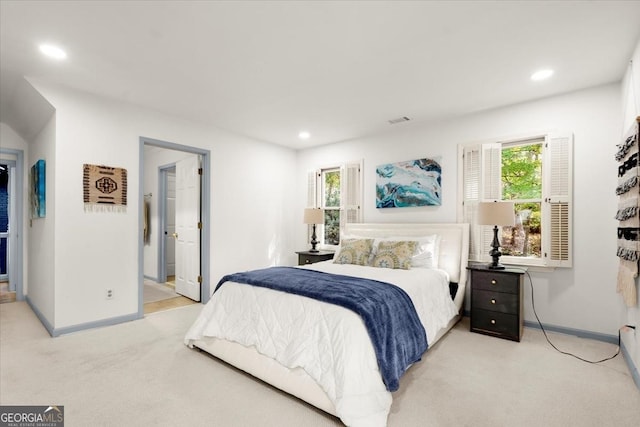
[(175, 235)]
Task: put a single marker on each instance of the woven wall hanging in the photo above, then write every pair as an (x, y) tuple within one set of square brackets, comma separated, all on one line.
[(104, 188), (628, 192)]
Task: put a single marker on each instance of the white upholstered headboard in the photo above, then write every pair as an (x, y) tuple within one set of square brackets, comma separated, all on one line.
[(454, 245)]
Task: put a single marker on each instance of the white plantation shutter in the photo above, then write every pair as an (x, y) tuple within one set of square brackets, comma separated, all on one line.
[(350, 193), (491, 172), (312, 185), (471, 173), (481, 182), (558, 157), (471, 196), (491, 190), (312, 197)]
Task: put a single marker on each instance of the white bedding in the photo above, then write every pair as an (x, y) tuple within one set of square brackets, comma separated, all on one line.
[(329, 342)]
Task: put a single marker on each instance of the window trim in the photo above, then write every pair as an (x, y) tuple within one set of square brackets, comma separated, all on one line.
[(557, 176), (350, 205)]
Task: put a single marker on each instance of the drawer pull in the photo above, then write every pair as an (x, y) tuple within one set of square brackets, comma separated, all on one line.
[(493, 322), (493, 281), (493, 301)]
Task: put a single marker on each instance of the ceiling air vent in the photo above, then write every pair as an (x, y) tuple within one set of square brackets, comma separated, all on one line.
[(399, 120)]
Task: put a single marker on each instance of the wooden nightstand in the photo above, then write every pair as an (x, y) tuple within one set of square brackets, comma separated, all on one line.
[(496, 302), (306, 257)]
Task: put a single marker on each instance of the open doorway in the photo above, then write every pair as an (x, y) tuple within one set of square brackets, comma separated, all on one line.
[(7, 289), (167, 256), (159, 293), (11, 224), (174, 221), (167, 252)]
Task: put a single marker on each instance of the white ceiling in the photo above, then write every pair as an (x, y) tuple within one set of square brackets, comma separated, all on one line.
[(340, 70)]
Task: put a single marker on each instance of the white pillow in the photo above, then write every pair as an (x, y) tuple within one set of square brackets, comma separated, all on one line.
[(427, 253)]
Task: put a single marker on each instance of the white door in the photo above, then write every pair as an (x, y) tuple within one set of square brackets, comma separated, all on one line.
[(170, 243), (187, 227)]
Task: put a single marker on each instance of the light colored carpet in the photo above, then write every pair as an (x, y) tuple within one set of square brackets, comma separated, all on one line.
[(153, 291), (140, 374)]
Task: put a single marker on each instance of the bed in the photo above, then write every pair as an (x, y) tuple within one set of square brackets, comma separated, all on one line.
[(320, 352)]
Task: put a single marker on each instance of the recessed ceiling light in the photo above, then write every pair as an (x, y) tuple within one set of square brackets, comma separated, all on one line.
[(304, 135), (53, 51), (541, 75)]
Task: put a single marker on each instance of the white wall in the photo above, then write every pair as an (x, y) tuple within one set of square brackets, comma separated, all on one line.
[(250, 218), (256, 209), (582, 297), (10, 139), (41, 237), (631, 111)]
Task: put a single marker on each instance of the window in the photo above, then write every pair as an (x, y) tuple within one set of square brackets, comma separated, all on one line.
[(337, 190), (521, 173), (536, 174), (330, 191)]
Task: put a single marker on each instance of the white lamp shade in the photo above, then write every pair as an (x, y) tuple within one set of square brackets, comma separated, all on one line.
[(313, 216), (496, 213)]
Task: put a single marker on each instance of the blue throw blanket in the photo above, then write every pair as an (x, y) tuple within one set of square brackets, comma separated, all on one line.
[(398, 337)]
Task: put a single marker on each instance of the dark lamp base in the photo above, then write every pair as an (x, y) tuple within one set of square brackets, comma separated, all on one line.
[(495, 253), (314, 242)]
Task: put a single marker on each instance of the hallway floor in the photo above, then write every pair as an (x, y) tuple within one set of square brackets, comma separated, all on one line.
[(162, 296), (5, 294)]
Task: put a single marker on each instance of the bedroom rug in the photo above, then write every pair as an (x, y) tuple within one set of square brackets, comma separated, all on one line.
[(140, 373)]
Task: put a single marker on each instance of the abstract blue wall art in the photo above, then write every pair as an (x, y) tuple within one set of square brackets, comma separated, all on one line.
[(408, 184), (38, 190)]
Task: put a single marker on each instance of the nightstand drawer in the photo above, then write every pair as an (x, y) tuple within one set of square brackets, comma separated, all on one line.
[(495, 323), (306, 257), (302, 260), (496, 301), (499, 282)]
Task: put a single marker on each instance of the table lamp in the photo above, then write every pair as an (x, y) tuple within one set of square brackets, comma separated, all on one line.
[(313, 216), (496, 214)]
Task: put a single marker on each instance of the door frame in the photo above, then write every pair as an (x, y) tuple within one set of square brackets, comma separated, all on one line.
[(9, 234), (205, 210), (162, 223), (16, 264)]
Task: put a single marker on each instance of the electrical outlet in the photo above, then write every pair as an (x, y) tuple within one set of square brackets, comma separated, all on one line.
[(109, 294)]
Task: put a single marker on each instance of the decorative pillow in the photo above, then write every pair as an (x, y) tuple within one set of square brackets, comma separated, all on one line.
[(427, 249), (393, 254), (354, 251)]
